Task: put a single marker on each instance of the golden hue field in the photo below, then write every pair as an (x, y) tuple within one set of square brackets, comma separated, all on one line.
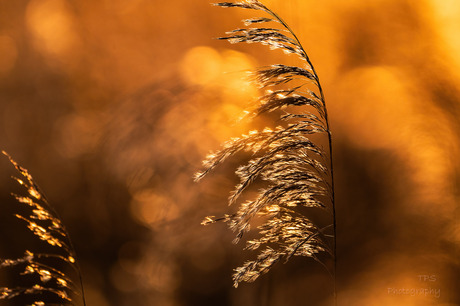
[(112, 105)]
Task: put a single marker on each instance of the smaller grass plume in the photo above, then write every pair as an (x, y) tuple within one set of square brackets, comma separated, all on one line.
[(44, 222)]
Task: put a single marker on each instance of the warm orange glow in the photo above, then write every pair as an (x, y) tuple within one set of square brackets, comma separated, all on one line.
[(201, 65), (78, 134), (383, 106), (51, 24), (9, 53), (447, 24), (152, 209), (226, 73)]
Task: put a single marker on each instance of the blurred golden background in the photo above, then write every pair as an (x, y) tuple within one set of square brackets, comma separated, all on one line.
[(112, 105)]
